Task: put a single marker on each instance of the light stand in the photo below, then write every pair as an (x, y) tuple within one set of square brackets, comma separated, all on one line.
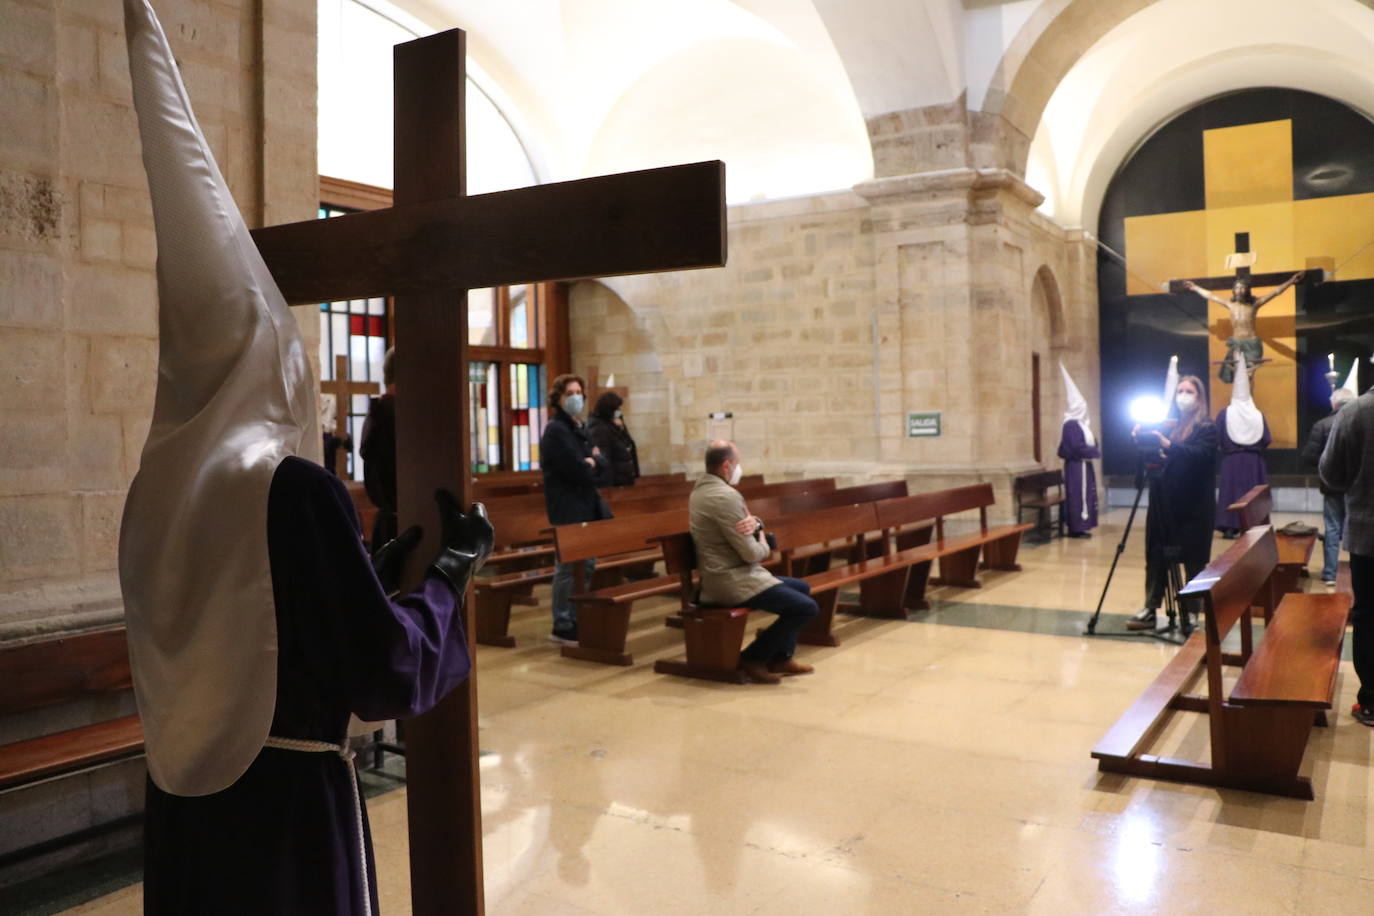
[(1173, 584)]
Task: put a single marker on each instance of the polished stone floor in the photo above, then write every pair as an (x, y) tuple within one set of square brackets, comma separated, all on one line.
[(935, 766)]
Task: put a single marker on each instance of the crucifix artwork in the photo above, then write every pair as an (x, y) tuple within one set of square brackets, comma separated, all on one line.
[(1243, 305), (426, 251), (343, 390)]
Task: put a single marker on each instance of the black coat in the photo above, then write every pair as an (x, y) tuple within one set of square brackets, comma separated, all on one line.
[(570, 493), (1316, 444), (1183, 498), (378, 451), (618, 447)]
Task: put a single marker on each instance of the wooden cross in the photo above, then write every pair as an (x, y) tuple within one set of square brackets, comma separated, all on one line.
[(1257, 281), (343, 390), (427, 250)]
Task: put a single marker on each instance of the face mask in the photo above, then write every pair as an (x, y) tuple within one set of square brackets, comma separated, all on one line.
[(618, 415), (1185, 401), (736, 474), (573, 404)]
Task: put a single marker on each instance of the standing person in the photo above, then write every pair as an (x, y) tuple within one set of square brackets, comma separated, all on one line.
[(572, 468), (1178, 524), (249, 653), (607, 430), (1078, 448), (1347, 466), (731, 547), (332, 443), (378, 451), (1333, 501), (1243, 434)]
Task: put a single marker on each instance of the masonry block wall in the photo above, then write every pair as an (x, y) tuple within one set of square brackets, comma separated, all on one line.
[(839, 314), (78, 309)]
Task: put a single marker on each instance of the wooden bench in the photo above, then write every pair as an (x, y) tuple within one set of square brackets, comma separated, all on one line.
[(1295, 551), (958, 554), (603, 614), (1032, 491), (714, 636), (48, 672), (1257, 735)]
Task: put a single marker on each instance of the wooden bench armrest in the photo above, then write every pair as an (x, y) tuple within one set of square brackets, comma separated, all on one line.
[(48, 755), (520, 577), (1297, 662), (632, 591), (1138, 724)]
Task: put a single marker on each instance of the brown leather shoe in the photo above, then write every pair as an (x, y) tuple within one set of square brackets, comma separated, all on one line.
[(790, 667), (759, 673)]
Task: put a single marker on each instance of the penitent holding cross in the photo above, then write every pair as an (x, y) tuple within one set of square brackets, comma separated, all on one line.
[(1242, 305), (429, 248)]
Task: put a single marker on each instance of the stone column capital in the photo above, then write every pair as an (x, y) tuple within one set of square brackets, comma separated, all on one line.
[(885, 191)]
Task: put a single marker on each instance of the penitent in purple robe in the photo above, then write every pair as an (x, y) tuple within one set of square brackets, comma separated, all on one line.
[(283, 839), (1080, 480), (1242, 467)]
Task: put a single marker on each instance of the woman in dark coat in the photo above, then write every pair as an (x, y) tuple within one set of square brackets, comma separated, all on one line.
[(606, 428), (573, 467), (1178, 524)]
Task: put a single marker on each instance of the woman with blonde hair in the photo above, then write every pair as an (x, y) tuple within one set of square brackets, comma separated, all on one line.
[(1178, 524)]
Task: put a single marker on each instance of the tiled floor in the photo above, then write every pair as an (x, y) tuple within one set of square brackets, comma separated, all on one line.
[(936, 766)]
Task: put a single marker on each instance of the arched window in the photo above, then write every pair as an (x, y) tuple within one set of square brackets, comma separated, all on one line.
[(516, 333)]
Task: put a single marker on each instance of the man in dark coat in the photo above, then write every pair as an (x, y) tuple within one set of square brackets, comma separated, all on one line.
[(1333, 501), (572, 468), (378, 451)]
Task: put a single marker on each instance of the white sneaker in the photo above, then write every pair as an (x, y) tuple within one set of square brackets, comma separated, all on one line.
[(1329, 583), (1144, 619)]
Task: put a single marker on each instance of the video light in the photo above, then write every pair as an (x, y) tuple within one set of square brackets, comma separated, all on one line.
[(1148, 410)]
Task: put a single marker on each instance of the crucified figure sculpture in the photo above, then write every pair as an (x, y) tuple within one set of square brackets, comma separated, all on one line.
[(1243, 305)]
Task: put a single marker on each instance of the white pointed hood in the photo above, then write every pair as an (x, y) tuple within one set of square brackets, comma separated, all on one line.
[(1352, 381), (1244, 422), (1077, 407), (234, 397)]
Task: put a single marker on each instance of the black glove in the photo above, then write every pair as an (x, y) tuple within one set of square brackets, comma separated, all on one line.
[(466, 541), (389, 559)]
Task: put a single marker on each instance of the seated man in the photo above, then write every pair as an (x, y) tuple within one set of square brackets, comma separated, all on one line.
[(730, 548)]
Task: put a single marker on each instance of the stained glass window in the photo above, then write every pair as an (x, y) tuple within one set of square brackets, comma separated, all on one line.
[(484, 405), (527, 415)]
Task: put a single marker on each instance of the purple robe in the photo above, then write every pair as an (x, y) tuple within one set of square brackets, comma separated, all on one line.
[(1242, 467), (1080, 480), (283, 839)]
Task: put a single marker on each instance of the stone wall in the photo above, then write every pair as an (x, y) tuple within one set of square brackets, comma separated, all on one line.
[(839, 314), (78, 304)]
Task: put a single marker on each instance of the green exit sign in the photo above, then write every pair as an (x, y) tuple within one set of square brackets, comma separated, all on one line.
[(923, 424)]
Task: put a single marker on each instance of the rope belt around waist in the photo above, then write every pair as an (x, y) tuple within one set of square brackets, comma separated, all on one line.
[(346, 755)]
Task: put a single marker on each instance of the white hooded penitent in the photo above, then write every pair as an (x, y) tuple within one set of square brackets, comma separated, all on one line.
[(1244, 422), (1077, 412), (1077, 409), (1352, 381), (234, 397)]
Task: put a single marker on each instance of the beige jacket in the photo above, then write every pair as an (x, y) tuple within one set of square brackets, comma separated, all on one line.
[(728, 561)]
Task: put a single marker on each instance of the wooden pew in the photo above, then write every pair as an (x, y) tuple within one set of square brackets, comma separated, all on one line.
[(1032, 491), (47, 672), (1258, 735), (714, 636), (1295, 551), (957, 554), (603, 614)]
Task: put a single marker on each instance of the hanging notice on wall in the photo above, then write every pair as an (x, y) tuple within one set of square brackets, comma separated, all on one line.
[(923, 424), (720, 425)]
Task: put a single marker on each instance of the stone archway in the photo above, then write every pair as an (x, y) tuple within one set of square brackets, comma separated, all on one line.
[(1050, 44), (1047, 346), (608, 334)]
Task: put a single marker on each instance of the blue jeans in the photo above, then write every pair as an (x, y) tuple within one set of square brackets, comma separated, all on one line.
[(793, 604), (564, 611), (1333, 514)]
